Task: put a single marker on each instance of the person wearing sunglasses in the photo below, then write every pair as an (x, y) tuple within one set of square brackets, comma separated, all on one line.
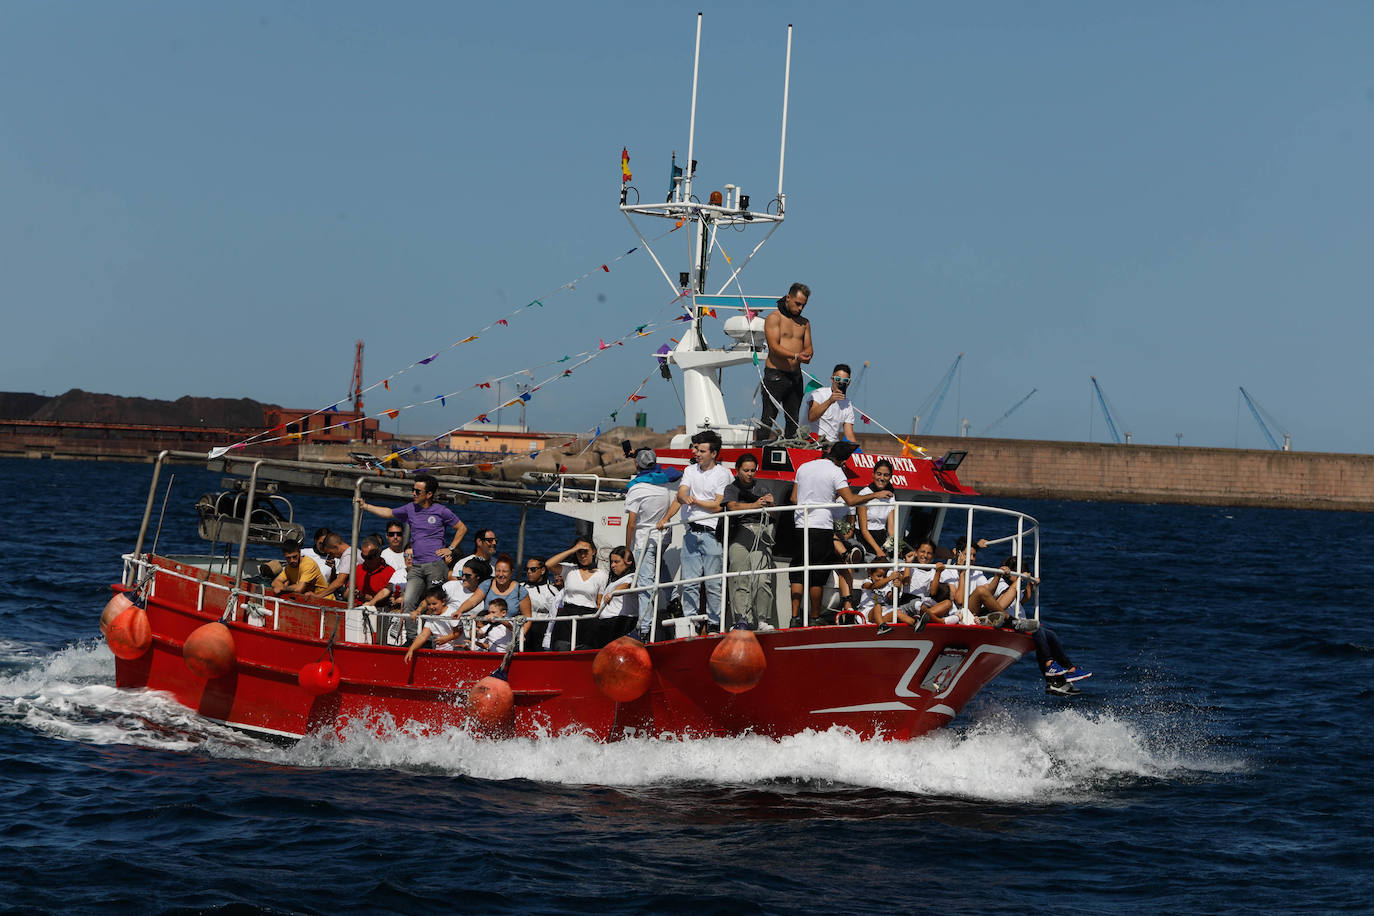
[(583, 582), (829, 411), (428, 523), (544, 597), (483, 548)]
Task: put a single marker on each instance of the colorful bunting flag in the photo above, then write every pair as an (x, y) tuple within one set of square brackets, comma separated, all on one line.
[(429, 359), (393, 414), (468, 339), (503, 323), (605, 268), (484, 384), (638, 397), (625, 165)]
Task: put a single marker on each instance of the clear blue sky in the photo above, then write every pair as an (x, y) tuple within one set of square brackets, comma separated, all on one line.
[(218, 199)]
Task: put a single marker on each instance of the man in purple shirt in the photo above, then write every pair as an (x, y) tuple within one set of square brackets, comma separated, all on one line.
[(428, 524)]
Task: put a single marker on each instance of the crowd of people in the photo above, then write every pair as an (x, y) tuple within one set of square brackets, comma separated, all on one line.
[(433, 597)]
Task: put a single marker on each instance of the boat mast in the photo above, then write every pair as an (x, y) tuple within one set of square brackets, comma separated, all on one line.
[(729, 207)]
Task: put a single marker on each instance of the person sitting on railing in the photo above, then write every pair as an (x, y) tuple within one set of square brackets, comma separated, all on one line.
[(493, 631), (340, 554), (583, 582), (700, 493), (877, 597), (299, 575), (544, 598), (923, 597), (619, 612), (1013, 590), (877, 521), (441, 623), (829, 411), (428, 521), (501, 586), (751, 548), (823, 480)]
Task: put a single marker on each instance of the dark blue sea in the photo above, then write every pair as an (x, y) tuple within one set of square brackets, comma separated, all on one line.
[(1217, 761)]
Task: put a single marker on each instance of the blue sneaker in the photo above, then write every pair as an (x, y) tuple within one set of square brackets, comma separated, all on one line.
[(1054, 669), (1076, 674)]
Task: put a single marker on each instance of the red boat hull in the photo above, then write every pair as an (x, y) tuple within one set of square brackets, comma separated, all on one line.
[(816, 677)]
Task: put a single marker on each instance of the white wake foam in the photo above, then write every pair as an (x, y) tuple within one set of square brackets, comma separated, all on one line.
[(996, 754)]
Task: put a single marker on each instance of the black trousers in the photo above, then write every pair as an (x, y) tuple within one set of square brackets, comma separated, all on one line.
[(785, 388)]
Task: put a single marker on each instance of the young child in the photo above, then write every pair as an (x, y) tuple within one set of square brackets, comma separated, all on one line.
[(492, 634), (440, 622)]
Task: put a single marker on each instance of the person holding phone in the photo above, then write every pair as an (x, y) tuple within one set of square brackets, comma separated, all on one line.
[(830, 413)]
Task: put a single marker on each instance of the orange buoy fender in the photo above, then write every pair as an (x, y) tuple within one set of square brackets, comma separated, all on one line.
[(113, 608), (319, 678), (737, 663), (209, 650), (490, 702), (622, 669), (129, 635)]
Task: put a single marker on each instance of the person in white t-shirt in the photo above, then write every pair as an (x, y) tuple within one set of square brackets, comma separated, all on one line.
[(395, 554), (646, 503), (877, 521), (958, 584), (823, 480), (700, 495), (440, 623), (829, 411), (340, 554)]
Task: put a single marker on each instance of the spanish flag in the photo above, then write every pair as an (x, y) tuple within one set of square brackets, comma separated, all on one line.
[(625, 175)]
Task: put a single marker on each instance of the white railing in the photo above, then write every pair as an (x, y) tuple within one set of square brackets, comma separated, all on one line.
[(1027, 533), (1024, 544)]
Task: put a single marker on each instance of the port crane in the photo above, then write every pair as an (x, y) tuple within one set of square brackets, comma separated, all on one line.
[(1259, 413), (1107, 415), (1011, 410), (930, 407)]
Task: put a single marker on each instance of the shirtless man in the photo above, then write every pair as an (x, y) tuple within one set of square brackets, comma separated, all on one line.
[(789, 346)]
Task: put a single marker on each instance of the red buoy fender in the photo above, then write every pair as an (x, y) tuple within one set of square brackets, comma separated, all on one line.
[(129, 635), (319, 678), (737, 663), (209, 650), (623, 670), (113, 608), (490, 702)]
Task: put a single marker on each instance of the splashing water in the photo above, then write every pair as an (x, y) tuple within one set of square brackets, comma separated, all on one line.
[(1031, 755)]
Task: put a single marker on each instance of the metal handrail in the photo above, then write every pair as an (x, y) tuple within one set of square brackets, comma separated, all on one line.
[(1019, 539), (806, 566)]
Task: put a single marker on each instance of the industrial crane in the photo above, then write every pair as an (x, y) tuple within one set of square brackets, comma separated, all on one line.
[(1011, 410), (356, 393), (1256, 411), (930, 408), (1107, 414)]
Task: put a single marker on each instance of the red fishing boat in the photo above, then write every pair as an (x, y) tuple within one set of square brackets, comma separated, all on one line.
[(206, 630)]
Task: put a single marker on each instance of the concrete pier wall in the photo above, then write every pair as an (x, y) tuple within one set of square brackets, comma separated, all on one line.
[(1157, 473)]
